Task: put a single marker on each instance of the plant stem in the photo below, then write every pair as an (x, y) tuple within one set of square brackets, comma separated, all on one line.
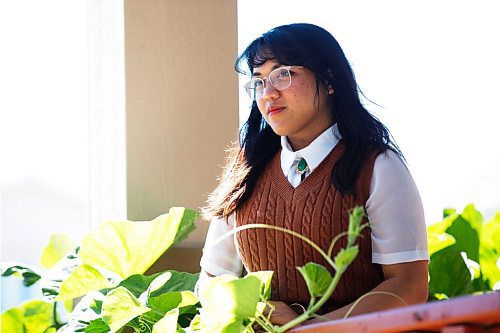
[(273, 227), (338, 272), (57, 324), (372, 293), (313, 307), (303, 317), (332, 244), (265, 324)]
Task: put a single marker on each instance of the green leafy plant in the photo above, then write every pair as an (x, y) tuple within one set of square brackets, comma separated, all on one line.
[(230, 304), (106, 270), (465, 254), (106, 273)]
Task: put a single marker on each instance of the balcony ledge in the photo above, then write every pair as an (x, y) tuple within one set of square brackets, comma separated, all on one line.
[(479, 313)]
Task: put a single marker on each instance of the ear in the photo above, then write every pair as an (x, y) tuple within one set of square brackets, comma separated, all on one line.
[(329, 87)]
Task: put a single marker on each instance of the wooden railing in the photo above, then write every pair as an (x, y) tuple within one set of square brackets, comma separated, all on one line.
[(468, 314)]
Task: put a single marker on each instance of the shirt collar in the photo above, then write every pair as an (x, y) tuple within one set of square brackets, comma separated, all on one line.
[(314, 154)]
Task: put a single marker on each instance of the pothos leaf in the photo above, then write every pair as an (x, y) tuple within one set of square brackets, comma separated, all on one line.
[(12, 320), (438, 242), (59, 246), (317, 278), (466, 237), (170, 290), (86, 314), (128, 248), (230, 304), (473, 216), (96, 306), (345, 257), (445, 263), (176, 299), (441, 226), (159, 282), (215, 327), (51, 282), (188, 298), (490, 252), (448, 211), (97, 326), (119, 307), (195, 324), (138, 283), (81, 281), (227, 299), (167, 324), (165, 302), (28, 275), (265, 278), (173, 281), (38, 315), (355, 227)]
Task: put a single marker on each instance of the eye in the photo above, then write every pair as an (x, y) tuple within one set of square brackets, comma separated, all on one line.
[(257, 84), (282, 74)]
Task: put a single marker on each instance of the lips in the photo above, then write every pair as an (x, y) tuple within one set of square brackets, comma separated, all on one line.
[(274, 110)]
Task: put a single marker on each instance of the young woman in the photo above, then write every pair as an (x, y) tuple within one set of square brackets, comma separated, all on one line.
[(309, 153)]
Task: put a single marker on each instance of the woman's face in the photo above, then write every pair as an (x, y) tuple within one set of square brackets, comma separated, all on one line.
[(295, 112)]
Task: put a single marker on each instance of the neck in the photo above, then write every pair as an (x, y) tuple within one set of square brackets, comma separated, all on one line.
[(298, 142)]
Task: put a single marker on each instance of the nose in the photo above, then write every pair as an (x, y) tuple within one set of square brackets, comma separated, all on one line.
[(270, 92)]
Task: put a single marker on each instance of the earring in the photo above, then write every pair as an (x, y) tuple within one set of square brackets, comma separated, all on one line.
[(330, 90)]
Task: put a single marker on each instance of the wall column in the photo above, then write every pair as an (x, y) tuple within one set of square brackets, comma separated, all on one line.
[(181, 108)]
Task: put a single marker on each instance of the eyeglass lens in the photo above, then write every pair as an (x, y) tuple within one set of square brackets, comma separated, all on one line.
[(280, 79)]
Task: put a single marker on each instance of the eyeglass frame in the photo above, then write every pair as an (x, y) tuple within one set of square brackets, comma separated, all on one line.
[(266, 78)]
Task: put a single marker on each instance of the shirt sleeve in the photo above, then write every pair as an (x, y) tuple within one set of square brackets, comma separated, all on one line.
[(221, 257), (396, 213)]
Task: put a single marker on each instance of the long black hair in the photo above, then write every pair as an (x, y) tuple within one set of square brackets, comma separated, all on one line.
[(316, 49)]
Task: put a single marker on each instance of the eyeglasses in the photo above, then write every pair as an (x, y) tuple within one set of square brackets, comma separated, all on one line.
[(280, 79)]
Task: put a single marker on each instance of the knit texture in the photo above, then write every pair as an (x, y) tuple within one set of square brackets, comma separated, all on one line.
[(316, 210)]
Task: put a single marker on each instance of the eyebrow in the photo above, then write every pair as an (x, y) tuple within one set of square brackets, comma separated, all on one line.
[(272, 69)]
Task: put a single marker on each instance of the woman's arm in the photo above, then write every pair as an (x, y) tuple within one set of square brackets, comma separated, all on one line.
[(406, 280), (220, 256)]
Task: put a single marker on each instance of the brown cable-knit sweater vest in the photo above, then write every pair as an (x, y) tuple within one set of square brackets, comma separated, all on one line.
[(316, 210)]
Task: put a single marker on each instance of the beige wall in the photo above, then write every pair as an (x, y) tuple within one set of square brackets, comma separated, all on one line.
[(181, 101)]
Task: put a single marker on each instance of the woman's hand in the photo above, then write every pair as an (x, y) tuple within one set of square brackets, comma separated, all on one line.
[(282, 313)]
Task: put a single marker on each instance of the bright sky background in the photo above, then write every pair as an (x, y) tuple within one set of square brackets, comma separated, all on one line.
[(432, 65), (44, 150), (43, 94), (434, 68)]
